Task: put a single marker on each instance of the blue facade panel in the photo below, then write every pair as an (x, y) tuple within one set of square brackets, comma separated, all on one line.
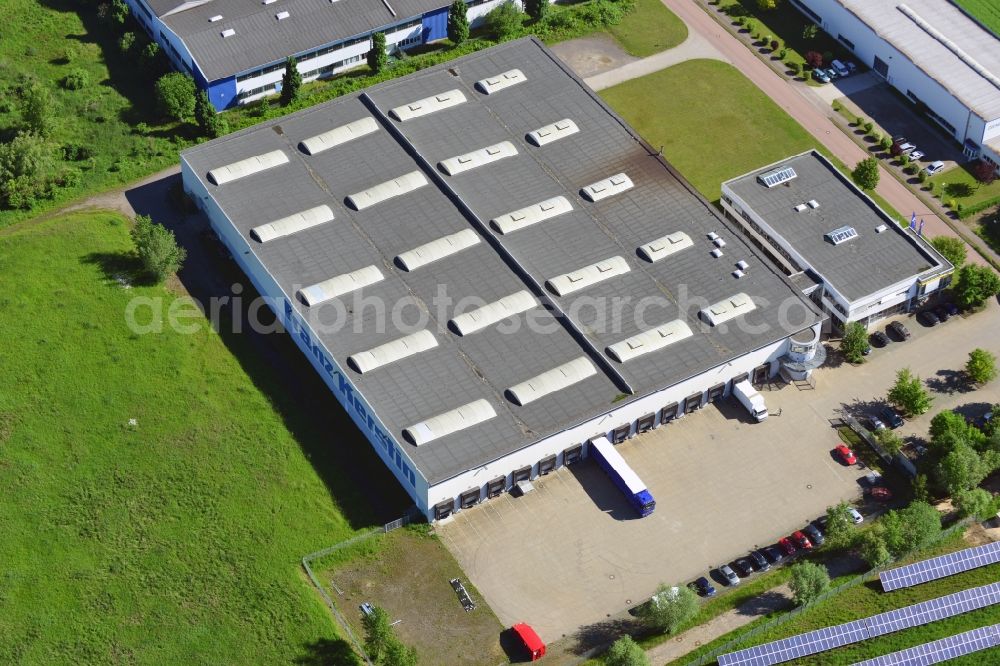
[(435, 24), (222, 93)]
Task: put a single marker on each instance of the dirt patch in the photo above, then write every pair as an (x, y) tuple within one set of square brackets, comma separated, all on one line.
[(592, 55), (978, 535), (409, 577)]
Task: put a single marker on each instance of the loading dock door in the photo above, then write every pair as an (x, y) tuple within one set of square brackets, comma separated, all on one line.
[(443, 509), (572, 454), (760, 375), (470, 498), (646, 423), (546, 465), (620, 433), (669, 413), (496, 486), (523, 474), (715, 393), (692, 403)]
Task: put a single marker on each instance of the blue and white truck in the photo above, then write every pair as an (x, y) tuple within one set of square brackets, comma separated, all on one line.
[(603, 451)]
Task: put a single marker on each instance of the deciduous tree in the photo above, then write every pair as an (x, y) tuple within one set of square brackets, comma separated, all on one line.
[(505, 21), (981, 366), (175, 96), (814, 58), (670, 608), (974, 284), (984, 172), (157, 248), (625, 652), (378, 633), (962, 469), (840, 531), (36, 110), (809, 31), (909, 394), (536, 9), (866, 173), (953, 249), (976, 502), (855, 342), (809, 580)]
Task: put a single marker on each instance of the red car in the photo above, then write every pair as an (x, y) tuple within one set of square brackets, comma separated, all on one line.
[(787, 545), (802, 541), (846, 454)]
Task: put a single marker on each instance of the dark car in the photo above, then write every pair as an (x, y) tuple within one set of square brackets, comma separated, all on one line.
[(821, 522), (760, 562), (901, 331), (743, 566), (928, 318), (786, 545), (951, 308), (774, 554), (880, 339), (942, 313), (891, 417), (703, 587), (814, 534)]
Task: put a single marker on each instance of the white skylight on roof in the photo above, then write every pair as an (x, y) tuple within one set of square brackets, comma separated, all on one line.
[(282, 15), (841, 235), (228, 32), (213, 19), (776, 177), (268, 2)]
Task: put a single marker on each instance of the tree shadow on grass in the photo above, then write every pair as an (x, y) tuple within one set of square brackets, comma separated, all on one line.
[(328, 652), (764, 604), (123, 267), (950, 382), (604, 633)]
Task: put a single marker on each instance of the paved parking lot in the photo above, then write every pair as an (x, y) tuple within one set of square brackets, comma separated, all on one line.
[(572, 553)]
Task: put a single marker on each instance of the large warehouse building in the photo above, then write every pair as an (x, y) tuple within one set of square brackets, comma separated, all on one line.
[(544, 277), (856, 263), (941, 58), (236, 49)]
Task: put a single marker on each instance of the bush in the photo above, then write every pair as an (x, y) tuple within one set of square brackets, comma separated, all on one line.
[(126, 42), (670, 608), (75, 152), (814, 59), (626, 652), (869, 126), (458, 22), (977, 502), (922, 176), (782, 54), (904, 160), (866, 173), (209, 122), (751, 25), (36, 109), (157, 248), (507, 20), (150, 51), (984, 172), (25, 166), (952, 248), (76, 79), (175, 96), (910, 169), (775, 44), (536, 9), (809, 31), (885, 143)]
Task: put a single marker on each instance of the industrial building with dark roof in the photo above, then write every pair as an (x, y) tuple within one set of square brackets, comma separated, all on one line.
[(813, 220), (558, 279)]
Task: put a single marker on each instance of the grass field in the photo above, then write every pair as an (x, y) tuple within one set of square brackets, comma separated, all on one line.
[(962, 186), (868, 599), (987, 11), (712, 122), (44, 42), (173, 541), (648, 29)]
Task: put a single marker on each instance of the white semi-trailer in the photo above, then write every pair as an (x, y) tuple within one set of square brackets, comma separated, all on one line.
[(750, 398)]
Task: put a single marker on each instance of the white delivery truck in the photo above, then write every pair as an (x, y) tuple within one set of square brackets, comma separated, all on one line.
[(750, 398)]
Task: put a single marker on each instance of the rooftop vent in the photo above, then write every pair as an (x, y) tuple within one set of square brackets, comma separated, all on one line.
[(437, 249), (268, 2), (393, 351), (716, 253), (801, 207), (563, 285), (525, 217), (776, 177), (491, 84), (491, 313), (456, 165), (727, 309), (737, 274), (427, 105), (340, 285), (841, 235), (553, 132), (553, 380), (664, 247), (813, 203), (452, 421), (247, 167), (742, 265), (712, 235), (213, 19), (281, 16), (608, 187), (228, 32), (719, 242), (292, 224), (880, 228), (338, 136), (387, 190), (649, 341)]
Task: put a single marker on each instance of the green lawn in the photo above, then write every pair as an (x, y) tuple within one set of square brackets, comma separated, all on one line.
[(176, 540), (712, 122), (44, 41), (958, 184), (648, 29), (987, 11)]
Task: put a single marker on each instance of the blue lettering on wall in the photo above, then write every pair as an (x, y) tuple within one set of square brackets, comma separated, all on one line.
[(347, 395)]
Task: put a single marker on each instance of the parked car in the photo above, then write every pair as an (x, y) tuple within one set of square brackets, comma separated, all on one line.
[(729, 575), (801, 540), (942, 313), (786, 545), (832, 73), (890, 416), (840, 68), (951, 308), (844, 453), (704, 587), (774, 554), (984, 420), (876, 423), (900, 139), (917, 155), (928, 318), (855, 516), (814, 534), (880, 338), (907, 148), (759, 561), (934, 167), (820, 75), (744, 567), (851, 66), (901, 331)]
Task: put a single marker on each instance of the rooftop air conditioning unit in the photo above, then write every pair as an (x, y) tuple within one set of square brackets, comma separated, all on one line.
[(813, 203), (880, 228)]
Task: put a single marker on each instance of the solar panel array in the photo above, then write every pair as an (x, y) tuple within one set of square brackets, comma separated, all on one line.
[(859, 630), (940, 567), (935, 652), (777, 177)]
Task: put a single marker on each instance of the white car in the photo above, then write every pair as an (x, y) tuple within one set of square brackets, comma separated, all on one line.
[(855, 516), (840, 68), (916, 155), (934, 167), (907, 148)]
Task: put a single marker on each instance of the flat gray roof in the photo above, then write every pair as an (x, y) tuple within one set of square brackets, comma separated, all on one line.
[(261, 38), (484, 364), (942, 40), (856, 268)]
